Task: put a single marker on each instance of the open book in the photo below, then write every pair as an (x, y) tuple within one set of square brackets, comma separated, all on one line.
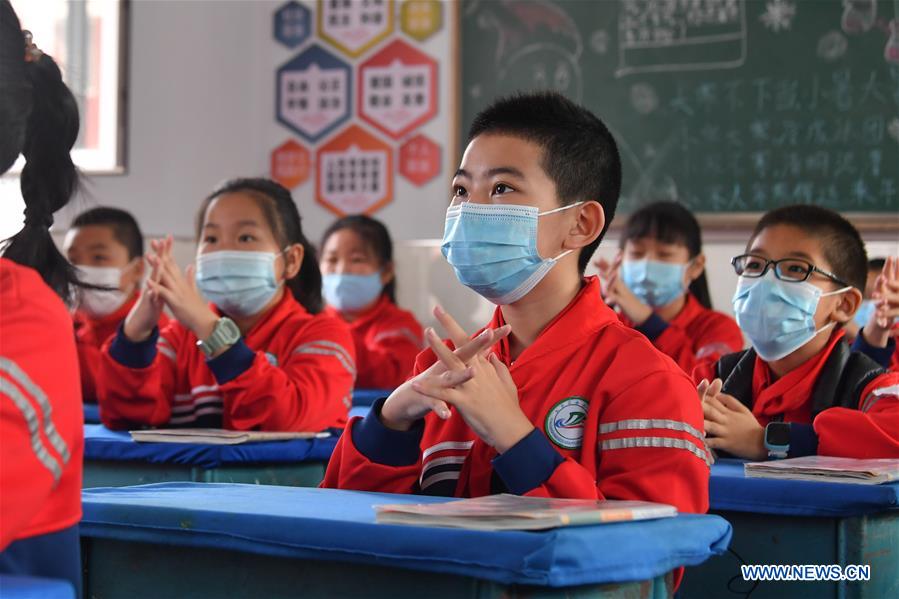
[(513, 512), (216, 436), (827, 469)]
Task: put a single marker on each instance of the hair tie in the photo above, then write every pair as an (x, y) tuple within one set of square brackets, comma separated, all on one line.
[(32, 52), (37, 218)]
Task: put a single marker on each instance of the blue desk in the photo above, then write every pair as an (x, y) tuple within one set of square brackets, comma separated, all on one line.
[(257, 541), (113, 459), (28, 587), (801, 522), (366, 397)]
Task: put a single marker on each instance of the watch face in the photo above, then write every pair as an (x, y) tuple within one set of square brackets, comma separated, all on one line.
[(777, 434), (229, 329)]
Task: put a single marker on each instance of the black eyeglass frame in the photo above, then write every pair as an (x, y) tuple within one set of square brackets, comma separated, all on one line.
[(775, 263)]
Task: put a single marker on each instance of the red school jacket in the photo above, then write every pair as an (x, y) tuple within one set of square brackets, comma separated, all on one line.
[(589, 382), (871, 431), (387, 340), (90, 335), (41, 418), (696, 335), (293, 371)]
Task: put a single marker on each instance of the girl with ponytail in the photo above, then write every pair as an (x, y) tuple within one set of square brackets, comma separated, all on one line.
[(40, 393), (250, 348), (658, 284)]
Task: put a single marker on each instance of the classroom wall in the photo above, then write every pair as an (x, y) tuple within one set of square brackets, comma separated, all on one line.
[(201, 98)]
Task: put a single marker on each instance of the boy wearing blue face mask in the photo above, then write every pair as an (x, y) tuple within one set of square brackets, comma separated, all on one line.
[(658, 285), (359, 286), (800, 390), (260, 356), (557, 398)]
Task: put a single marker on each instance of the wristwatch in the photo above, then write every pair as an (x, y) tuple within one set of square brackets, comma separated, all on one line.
[(777, 440), (224, 334)]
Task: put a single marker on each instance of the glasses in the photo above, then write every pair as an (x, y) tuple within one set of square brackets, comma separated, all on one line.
[(793, 270)]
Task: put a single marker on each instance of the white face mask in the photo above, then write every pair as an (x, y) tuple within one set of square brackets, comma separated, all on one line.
[(98, 303)]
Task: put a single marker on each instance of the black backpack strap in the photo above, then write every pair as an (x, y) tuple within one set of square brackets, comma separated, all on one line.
[(843, 379), (736, 371)]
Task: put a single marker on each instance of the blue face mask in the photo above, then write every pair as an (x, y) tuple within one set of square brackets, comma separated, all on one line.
[(655, 283), (348, 292), (239, 283), (778, 316), (493, 249), (863, 315)]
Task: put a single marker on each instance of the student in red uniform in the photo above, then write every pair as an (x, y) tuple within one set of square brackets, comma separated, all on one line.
[(261, 356), (555, 397), (658, 283), (108, 248), (878, 315), (800, 390), (359, 286), (41, 422)]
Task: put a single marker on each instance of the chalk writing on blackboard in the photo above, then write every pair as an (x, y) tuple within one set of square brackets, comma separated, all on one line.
[(680, 36)]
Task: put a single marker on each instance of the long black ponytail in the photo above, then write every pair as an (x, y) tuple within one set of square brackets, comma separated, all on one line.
[(42, 117), (284, 219), (670, 222)]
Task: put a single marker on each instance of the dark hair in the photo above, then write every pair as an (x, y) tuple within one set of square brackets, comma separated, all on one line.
[(670, 222), (375, 235), (284, 220), (876, 263), (122, 224), (841, 244), (39, 118), (579, 153)]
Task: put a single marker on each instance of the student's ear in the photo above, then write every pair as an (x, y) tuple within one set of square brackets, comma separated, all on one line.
[(293, 260), (591, 219), (387, 273), (696, 267), (847, 305)]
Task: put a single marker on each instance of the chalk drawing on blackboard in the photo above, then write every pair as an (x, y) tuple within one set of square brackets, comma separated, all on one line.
[(832, 45), (893, 129), (891, 50), (644, 98), (542, 66), (680, 36), (599, 41), (858, 15), (778, 15)]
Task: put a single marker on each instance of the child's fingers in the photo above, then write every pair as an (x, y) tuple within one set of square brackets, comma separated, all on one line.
[(161, 292), (481, 343), (712, 428), (501, 370), (440, 408), (702, 387), (715, 387), (731, 403), (711, 410), (443, 353), (455, 332), (715, 443), (434, 391)]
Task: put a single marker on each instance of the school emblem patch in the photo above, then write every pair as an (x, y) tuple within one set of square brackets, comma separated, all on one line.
[(565, 422)]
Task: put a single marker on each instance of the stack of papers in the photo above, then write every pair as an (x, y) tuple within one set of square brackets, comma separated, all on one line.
[(216, 436), (827, 469), (513, 512)]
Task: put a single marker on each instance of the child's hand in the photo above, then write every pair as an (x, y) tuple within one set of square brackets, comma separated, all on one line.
[(487, 399), (179, 292), (406, 405), (729, 425), (144, 316), (877, 331), (617, 293)]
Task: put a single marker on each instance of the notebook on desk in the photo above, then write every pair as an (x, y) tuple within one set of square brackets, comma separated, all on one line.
[(827, 469), (513, 512), (216, 436)]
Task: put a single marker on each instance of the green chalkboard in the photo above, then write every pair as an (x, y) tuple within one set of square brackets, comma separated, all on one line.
[(730, 106)]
